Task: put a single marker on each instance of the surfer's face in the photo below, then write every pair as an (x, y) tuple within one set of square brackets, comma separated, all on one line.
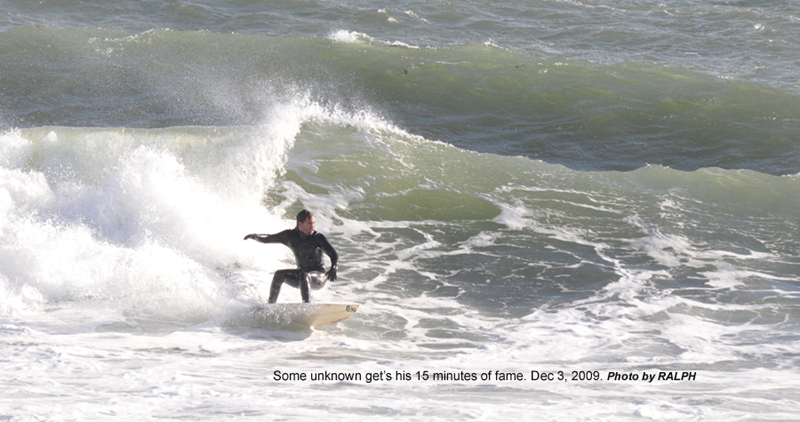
[(307, 226)]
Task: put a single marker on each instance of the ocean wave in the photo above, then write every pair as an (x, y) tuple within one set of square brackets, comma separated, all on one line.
[(485, 98), (404, 204)]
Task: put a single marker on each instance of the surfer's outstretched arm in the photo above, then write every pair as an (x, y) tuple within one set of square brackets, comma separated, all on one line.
[(268, 238)]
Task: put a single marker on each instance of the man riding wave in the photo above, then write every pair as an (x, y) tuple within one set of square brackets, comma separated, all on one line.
[(308, 246)]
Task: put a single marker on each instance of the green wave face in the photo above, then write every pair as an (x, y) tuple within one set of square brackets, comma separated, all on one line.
[(478, 97)]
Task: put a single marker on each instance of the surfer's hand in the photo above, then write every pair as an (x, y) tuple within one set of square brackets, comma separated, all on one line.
[(250, 236), (331, 274)]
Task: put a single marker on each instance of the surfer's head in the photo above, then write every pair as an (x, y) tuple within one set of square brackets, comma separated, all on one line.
[(306, 222)]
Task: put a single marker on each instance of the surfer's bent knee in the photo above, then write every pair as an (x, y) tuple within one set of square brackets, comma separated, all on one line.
[(316, 280)]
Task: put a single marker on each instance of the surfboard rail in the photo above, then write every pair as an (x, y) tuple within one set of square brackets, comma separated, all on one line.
[(310, 314)]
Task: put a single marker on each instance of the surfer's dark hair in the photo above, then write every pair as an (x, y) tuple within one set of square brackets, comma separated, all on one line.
[(303, 216)]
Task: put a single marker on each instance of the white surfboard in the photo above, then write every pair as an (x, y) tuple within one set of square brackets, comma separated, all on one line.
[(309, 314)]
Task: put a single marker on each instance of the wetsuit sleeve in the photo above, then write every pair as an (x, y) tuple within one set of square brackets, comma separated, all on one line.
[(328, 249), (282, 237)]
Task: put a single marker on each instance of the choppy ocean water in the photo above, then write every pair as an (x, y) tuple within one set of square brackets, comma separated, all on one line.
[(538, 204)]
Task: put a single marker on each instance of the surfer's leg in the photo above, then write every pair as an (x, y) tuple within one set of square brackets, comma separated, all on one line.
[(290, 277), (316, 280), (305, 294), (310, 281)]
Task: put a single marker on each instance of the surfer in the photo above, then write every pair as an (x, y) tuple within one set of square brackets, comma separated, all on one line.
[(308, 246)]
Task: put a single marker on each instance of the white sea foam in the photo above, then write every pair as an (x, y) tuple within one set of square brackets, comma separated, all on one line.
[(412, 14), (349, 37), (138, 229)]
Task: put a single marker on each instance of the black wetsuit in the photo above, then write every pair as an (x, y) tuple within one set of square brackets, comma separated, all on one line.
[(308, 251)]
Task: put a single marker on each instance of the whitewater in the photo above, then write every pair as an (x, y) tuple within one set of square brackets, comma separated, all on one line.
[(567, 210)]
